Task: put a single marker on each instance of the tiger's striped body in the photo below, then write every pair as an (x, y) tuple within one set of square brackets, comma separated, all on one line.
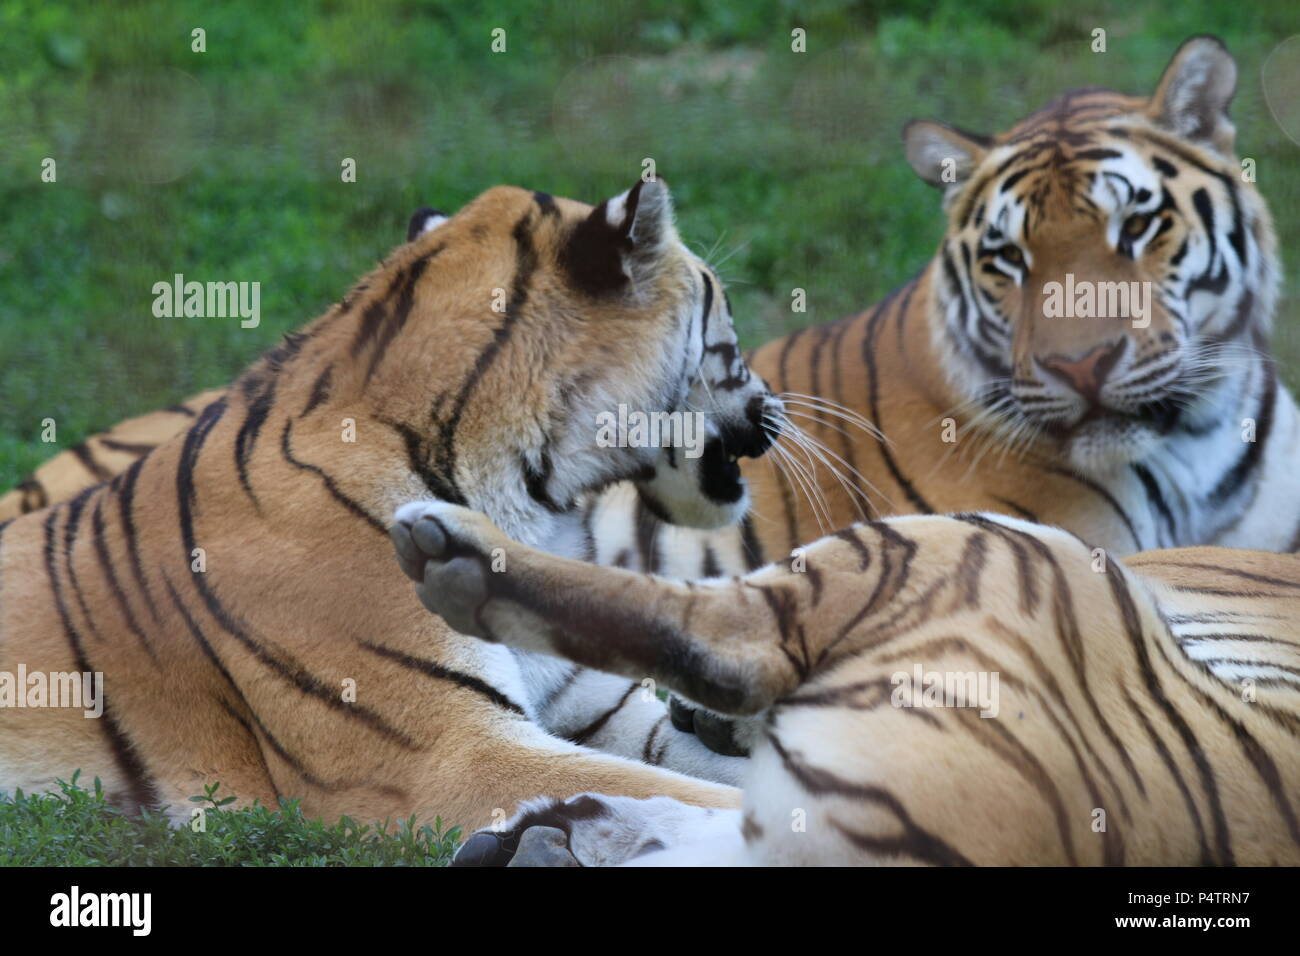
[(1144, 712), (235, 586)]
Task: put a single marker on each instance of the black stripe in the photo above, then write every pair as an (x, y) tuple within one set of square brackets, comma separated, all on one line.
[(706, 308), (439, 672), (396, 320), (781, 365), (125, 500), (33, 493), (1098, 153), (1156, 497), (648, 753), (260, 394), (320, 391), (129, 447), (647, 534), (143, 792), (280, 751), (526, 260), (84, 456), (537, 479), (1249, 460), (1167, 758), (1137, 639), (1021, 510), (75, 508), (589, 731), (114, 585), (417, 458), (873, 379), (912, 840), (546, 203), (709, 567), (751, 548), (330, 486)]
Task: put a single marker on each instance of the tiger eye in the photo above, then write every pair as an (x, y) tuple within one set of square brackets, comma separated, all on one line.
[(1012, 254), (1136, 225)]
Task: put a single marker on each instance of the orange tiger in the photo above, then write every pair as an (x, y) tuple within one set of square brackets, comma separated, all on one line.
[(234, 587)]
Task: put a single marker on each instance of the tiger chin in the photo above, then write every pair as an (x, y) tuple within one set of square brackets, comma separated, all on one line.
[(234, 585)]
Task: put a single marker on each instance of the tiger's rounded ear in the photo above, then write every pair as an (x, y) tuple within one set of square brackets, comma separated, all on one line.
[(1195, 91), (943, 156), (623, 238), (422, 221)]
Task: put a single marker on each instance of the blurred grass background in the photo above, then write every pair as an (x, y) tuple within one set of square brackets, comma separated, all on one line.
[(224, 165)]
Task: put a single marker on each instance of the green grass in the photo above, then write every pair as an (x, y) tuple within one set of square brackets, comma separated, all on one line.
[(225, 166), (787, 165), (78, 827)]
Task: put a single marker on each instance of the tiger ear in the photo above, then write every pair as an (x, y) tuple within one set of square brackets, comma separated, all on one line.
[(422, 221), (1195, 91), (623, 239), (943, 156)]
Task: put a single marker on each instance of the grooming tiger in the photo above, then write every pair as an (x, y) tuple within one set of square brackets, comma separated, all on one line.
[(957, 690), (235, 586)]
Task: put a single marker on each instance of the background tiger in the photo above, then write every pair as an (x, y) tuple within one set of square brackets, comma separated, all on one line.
[(1141, 713), (235, 585), (1175, 433)]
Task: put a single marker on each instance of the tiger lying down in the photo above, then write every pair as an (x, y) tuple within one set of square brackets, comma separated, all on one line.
[(957, 690), (235, 586)]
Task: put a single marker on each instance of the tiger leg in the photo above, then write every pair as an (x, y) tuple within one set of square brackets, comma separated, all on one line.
[(716, 643)]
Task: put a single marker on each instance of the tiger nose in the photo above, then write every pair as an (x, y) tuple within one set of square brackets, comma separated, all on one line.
[(1086, 373)]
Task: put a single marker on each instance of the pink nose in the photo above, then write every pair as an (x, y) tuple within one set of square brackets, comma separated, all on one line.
[(1086, 373)]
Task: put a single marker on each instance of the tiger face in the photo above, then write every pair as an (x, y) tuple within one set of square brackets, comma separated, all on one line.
[(584, 346), (1104, 264)]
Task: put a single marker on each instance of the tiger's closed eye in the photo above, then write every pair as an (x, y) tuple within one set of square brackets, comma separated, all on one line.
[(1135, 226)]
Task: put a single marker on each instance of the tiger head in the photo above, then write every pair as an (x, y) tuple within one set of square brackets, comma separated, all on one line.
[(1105, 263), (531, 349)]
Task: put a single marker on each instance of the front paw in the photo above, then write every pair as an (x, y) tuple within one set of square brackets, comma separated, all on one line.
[(590, 829), (446, 550)]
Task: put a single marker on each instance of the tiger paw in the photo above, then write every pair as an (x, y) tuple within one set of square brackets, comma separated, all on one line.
[(590, 829), (446, 550), (728, 736)]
